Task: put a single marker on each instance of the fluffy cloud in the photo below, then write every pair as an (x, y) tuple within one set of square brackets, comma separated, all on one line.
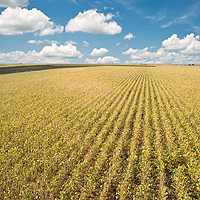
[(50, 54), (99, 52), (63, 52), (174, 43), (20, 57), (15, 21), (13, 3), (138, 54), (129, 36), (146, 56), (51, 29), (107, 59), (189, 45), (92, 22), (43, 41), (173, 50), (87, 60)]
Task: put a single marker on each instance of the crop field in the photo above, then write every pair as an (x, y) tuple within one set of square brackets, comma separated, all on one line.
[(105, 132)]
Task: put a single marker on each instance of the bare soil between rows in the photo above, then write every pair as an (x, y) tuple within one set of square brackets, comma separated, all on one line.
[(10, 70)]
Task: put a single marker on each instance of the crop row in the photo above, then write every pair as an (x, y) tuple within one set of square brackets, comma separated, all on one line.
[(100, 133)]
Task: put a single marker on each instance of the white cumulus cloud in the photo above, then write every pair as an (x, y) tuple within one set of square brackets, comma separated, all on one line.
[(189, 45), (129, 36), (146, 56), (15, 21), (48, 54), (13, 3), (138, 54), (51, 29), (173, 50), (99, 52), (87, 60), (20, 57), (174, 43), (91, 21), (107, 59), (67, 51)]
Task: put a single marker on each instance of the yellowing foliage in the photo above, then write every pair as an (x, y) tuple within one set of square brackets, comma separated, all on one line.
[(106, 132)]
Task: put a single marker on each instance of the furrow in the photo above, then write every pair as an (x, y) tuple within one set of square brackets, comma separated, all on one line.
[(131, 178), (118, 163), (176, 159), (101, 137), (160, 143), (146, 190), (55, 142), (192, 108), (188, 153), (63, 149)]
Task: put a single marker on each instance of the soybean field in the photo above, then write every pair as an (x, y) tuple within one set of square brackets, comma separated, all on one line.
[(104, 132)]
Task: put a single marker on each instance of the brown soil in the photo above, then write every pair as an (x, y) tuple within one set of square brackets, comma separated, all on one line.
[(10, 70)]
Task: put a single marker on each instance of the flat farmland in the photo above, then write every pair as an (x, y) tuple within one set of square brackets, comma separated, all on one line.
[(104, 132)]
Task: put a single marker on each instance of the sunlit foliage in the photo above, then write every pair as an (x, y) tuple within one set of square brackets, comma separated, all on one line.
[(110, 132)]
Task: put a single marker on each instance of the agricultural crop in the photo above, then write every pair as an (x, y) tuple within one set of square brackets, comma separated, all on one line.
[(106, 132)]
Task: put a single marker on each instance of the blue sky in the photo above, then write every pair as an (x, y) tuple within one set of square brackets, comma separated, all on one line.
[(106, 31)]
